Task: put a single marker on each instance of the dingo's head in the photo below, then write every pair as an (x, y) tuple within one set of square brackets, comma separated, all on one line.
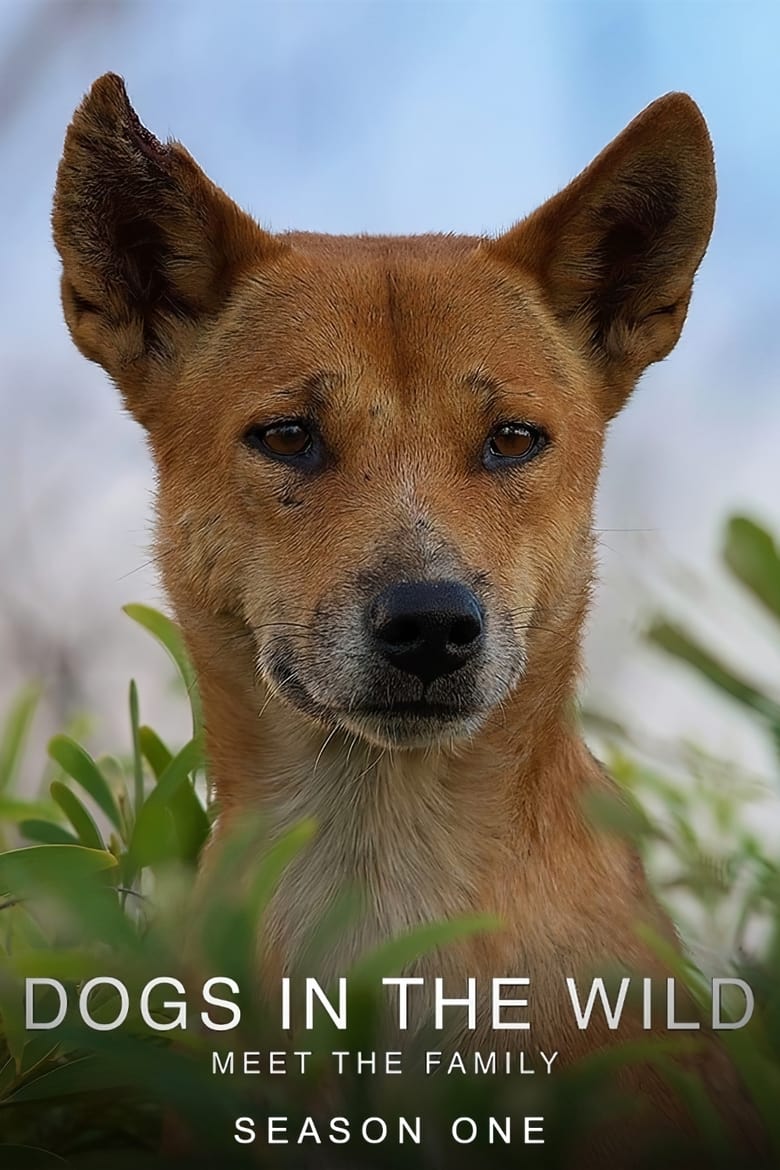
[(378, 454)]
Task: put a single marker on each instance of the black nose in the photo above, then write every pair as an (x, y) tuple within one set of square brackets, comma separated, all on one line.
[(427, 628)]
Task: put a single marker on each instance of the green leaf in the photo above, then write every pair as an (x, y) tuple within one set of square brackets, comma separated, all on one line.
[(164, 826), (39, 1049), (46, 832), (761, 1078), (116, 1159), (82, 1075), (7, 1076), (190, 818), (246, 862), (676, 642), (274, 863), (79, 765), (12, 1017), (168, 635), (18, 810), (156, 754), (37, 867), (69, 965), (177, 772), (29, 1158), (754, 559), (392, 957), (86, 829), (26, 931), (154, 839), (616, 812), (14, 735), (190, 821), (138, 767), (115, 774)]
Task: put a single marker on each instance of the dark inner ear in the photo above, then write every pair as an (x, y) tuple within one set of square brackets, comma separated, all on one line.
[(147, 268), (631, 256), (150, 247), (615, 253), (147, 256)]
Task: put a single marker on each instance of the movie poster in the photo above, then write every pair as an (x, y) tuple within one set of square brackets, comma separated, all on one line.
[(390, 591)]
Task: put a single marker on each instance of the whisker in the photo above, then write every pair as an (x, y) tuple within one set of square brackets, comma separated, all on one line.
[(322, 749), (373, 764), (138, 569), (286, 625), (274, 692), (354, 740)]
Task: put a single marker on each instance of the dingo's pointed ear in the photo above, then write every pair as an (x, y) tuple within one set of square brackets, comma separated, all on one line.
[(615, 253), (150, 247)]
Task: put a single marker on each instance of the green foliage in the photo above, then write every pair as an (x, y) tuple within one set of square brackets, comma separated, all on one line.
[(750, 555), (97, 878)]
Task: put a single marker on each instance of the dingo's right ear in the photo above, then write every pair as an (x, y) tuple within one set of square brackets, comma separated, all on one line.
[(150, 247)]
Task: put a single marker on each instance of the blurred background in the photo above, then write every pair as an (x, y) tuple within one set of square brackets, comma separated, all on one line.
[(406, 116)]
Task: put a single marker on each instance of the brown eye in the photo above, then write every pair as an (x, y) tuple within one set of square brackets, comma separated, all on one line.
[(513, 443), (287, 439), (290, 441)]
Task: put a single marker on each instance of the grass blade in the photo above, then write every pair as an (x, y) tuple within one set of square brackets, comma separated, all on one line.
[(138, 766), (79, 765), (46, 832), (169, 636), (86, 829), (14, 736)]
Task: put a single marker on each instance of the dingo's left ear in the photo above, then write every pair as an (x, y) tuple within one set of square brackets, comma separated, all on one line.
[(150, 247), (615, 252)]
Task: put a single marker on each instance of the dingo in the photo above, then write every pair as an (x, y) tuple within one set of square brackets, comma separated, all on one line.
[(377, 459)]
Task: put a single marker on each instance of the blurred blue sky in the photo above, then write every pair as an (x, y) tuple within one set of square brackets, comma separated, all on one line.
[(362, 115)]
